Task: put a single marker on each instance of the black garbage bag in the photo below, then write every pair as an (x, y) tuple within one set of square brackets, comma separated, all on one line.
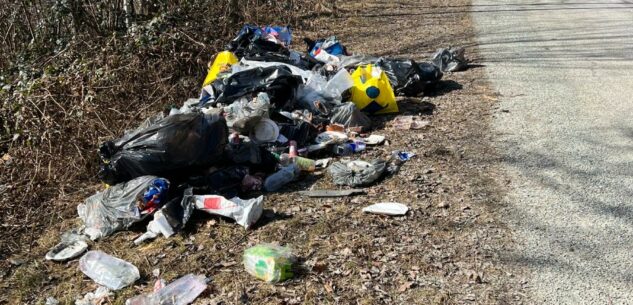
[(349, 115), (173, 147), (249, 42), (409, 78), (252, 155), (225, 181), (450, 60), (356, 173), (302, 133), (278, 81)]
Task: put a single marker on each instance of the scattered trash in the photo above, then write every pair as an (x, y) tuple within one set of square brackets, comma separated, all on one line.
[(322, 163), (72, 245), (332, 193), (348, 115), (450, 60), (331, 137), (51, 301), (270, 263), (179, 292), (374, 140), (403, 155), (356, 173), (387, 208), (107, 270), (98, 297), (406, 122), (244, 212), (264, 131), (121, 205)]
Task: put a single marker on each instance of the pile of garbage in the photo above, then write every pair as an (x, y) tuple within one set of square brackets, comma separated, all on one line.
[(266, 116)]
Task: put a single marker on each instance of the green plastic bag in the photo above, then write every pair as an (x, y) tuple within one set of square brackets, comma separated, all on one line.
[(270, 263)]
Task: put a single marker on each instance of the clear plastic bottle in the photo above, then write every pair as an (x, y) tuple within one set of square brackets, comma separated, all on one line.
[(282, 177), (179, 292), (107, 270)]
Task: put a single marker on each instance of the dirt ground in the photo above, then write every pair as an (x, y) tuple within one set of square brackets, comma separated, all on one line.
[(444, 251)]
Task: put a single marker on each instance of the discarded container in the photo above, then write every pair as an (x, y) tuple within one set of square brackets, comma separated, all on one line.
[(284, 176), (372, 92), (387, 208), (304, 164), (264, 131), (107, 270), (347, 149), (403, 155), (356, 173), (270, 263), (179, 292), (244, 212), (71, 246)]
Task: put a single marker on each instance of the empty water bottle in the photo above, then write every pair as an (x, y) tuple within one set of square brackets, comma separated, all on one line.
[(347, 149), (282, 177), (179, 292), (108, 270)]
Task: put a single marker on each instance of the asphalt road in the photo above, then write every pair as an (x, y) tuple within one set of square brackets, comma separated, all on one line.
[(564, 70)]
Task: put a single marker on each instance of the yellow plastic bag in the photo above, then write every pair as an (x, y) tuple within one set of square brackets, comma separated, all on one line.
[(223, 61), (373, 93)]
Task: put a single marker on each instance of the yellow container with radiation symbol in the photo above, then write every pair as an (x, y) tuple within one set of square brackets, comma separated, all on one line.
[(372, 92), (222, 63)]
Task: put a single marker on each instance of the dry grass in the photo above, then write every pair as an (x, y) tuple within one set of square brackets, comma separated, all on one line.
[(445, 251)]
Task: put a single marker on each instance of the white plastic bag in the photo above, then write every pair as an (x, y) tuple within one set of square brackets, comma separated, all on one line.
[(245, 212)]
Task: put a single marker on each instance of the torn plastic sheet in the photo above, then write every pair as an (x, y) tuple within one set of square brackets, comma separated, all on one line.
[(349, 115), (117, 207), (244, 212), (173, 147), (99, 296), (318, 89), (356, 173), (246, 64), (243, 114)]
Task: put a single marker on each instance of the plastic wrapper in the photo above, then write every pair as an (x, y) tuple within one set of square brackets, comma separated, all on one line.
[(243, 114), (117, 207), (108, 270), (244, 212), (356, 173), (173, 147), (179, 292), (270, 263), (278, 81), (331, 45), (171, 218), (450, 60), (319, 89), (372, 92), (409, 78), (349, 116)]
